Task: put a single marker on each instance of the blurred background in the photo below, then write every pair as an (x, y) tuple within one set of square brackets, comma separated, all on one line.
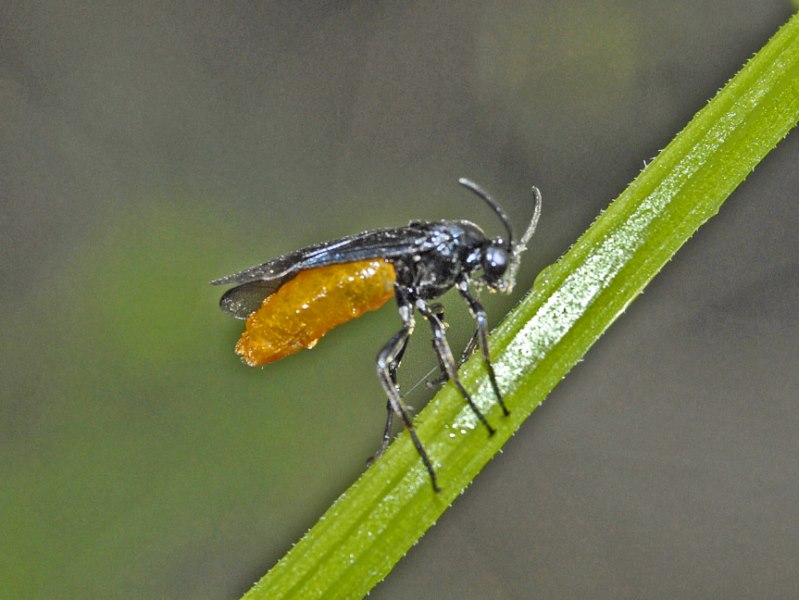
[(149, 147)]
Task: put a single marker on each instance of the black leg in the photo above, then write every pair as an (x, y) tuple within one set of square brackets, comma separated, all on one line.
[(389, 410), (438, 310), (447, 360), (387, 362), (467, 352), (481, 337)]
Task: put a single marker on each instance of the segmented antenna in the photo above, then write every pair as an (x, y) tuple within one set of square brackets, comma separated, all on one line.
[(521, 245), (471, 185)]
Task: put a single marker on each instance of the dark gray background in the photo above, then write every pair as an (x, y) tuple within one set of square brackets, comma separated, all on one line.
[(149, 147)]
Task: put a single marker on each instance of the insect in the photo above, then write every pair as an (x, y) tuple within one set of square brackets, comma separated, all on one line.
[(291, 301)]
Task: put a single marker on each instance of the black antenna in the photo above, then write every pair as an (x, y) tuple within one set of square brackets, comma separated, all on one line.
[(469, 184)]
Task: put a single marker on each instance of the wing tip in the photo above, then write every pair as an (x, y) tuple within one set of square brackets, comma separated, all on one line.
[(221, 280), (233, 307)]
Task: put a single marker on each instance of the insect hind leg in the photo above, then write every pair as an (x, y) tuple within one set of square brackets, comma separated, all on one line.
[(447, 360), (392, 370), (388, 360)]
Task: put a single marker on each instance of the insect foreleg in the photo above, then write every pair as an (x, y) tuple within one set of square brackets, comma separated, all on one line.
[(481, 337)]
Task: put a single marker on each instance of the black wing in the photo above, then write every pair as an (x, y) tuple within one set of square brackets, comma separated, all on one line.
[(256, 283)]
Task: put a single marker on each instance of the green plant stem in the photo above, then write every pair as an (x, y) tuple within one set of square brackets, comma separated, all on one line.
[(371, 526)]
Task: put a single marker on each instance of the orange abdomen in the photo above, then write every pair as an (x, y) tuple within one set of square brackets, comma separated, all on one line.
[(308, 306)]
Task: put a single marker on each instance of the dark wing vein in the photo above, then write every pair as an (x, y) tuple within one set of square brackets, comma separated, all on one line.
[(259, 282)]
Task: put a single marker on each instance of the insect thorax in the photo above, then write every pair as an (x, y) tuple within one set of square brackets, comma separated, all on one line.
[(456, 254)]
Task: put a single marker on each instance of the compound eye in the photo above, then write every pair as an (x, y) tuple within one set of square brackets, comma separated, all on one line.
[(495, 262)]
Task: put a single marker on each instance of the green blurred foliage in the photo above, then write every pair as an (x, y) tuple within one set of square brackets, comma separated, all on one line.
[(148, 149), (140, 429)]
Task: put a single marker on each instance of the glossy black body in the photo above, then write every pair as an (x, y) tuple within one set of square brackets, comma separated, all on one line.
[(429, 259)]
